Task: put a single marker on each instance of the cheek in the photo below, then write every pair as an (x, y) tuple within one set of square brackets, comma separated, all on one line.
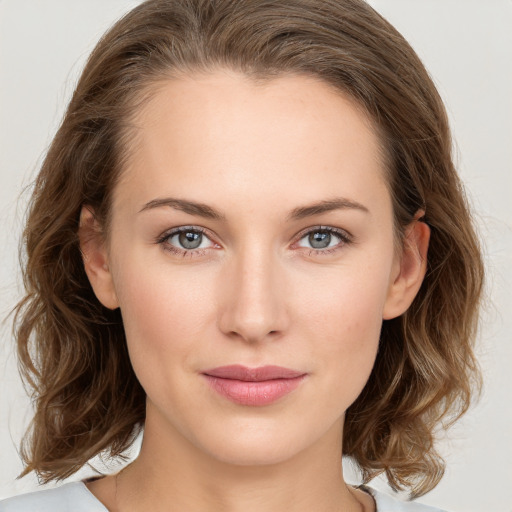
[(344, 318), (163, 312), (346, 300)]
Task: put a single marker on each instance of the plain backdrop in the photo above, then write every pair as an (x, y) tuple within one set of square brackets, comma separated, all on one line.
[(467, 47)]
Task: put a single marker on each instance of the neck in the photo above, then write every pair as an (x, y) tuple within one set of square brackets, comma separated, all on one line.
[(172, 473)]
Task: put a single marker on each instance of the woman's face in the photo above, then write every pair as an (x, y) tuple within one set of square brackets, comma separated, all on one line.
[(252, 226)]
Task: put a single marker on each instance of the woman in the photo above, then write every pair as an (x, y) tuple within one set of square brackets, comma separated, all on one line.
[(247, 238)]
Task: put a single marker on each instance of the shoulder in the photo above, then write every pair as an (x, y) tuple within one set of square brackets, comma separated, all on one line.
[(70, 497), (387, 503)]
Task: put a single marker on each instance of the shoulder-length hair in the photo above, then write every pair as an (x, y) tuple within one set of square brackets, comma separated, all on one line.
[(72, 350)]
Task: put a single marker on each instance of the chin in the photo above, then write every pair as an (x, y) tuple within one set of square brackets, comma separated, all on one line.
[(258, 444)]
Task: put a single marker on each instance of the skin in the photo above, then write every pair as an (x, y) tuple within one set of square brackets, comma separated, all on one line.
[(255, 293)]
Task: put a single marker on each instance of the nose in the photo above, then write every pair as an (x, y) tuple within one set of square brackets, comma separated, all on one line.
[(253, 305)]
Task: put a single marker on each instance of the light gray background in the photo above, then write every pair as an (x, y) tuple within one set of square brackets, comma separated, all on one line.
[(467, 47)]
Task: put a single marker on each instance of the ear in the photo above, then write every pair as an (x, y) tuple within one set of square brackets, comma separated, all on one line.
[(95, 258), (410, 269)]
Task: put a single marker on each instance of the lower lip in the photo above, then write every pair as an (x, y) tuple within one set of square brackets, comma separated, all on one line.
[(253, 393)]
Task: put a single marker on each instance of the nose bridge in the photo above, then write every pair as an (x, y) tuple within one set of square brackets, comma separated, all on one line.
[(253, 306)]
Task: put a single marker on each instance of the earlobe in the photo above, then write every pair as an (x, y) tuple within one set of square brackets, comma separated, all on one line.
[(412, 266), (95, 258)]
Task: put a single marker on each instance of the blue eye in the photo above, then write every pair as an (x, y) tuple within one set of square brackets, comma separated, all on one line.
[(192, 241), (186, 240), (324, 240)]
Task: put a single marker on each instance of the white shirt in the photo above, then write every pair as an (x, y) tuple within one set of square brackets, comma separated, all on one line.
[(76, 497)]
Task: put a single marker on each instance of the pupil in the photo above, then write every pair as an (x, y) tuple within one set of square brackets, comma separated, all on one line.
[(190, 240), (320, 239)]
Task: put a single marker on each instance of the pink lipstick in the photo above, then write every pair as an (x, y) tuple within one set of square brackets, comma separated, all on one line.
[(253, 386)]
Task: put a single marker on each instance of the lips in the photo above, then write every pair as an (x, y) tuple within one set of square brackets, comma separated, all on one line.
[(239, 372), (253, 386)]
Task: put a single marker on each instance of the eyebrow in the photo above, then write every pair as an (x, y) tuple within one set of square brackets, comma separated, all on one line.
[(301, 212), (337, 203)]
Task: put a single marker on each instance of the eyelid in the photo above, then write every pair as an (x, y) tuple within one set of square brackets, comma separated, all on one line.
[(180, 229), (342, 233)]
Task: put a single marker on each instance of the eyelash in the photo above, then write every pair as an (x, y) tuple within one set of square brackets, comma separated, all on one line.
[(345, 239)]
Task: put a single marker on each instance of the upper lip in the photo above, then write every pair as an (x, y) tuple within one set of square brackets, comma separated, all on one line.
[(239, 372)]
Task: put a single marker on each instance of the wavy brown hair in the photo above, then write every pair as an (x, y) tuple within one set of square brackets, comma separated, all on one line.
[(72, 350)]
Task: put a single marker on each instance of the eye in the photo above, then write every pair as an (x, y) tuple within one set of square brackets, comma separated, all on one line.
[(186, 241), (193, 240), (324, 240)]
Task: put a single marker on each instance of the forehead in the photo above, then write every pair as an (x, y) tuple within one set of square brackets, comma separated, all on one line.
[(198, 133)]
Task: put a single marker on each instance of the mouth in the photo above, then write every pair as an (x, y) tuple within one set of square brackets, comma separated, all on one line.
[(253, 386)]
